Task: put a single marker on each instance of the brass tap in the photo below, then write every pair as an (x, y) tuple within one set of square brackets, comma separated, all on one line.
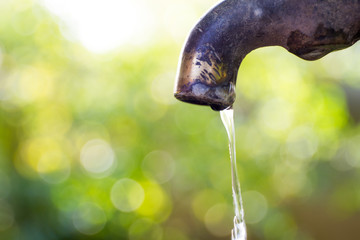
[(217, 44)]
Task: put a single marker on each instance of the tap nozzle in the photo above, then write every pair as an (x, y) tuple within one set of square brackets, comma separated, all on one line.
[(217, 44)]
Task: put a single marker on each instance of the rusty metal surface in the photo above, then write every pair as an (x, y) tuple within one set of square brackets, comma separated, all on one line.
[(227, 33)]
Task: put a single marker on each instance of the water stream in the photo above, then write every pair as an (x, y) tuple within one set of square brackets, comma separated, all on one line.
[(239, 230)]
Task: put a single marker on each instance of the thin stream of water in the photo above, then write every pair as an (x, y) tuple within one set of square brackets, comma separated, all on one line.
[(239, 230)]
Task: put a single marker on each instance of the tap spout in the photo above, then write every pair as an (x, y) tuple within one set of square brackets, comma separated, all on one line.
[(219, 42)]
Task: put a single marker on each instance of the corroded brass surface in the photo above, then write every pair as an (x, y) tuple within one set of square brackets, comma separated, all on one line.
[(203, 80), (220, 41)]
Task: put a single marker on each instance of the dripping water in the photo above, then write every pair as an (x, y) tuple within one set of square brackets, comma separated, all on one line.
[(239, 230)]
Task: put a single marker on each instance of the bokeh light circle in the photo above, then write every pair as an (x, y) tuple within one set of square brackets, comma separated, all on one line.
[(255, 206), (158, 165), (162, 88), (89, 218), (27, 26), (127, 195), (157, 204), (276, 114), (53, 167), (97, 157), (302, 142), (204, 200), (218, 219)]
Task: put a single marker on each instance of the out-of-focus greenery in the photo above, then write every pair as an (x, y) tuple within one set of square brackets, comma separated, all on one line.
[(95, 147)]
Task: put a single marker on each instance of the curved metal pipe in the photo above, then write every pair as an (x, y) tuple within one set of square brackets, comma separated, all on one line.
[(227, 33)]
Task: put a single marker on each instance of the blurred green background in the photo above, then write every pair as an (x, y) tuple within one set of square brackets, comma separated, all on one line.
[(94, 146)]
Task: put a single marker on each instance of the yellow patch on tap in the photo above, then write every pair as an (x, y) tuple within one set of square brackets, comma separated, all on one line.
[(196, 66), (209, 70)]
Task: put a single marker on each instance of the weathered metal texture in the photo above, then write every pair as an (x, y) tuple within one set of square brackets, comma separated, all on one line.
[(216, 46)]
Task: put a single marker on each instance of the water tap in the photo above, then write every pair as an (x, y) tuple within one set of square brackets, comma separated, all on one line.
[(218, 43)]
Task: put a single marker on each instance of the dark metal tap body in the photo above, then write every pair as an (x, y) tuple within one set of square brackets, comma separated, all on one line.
[(212, 55)]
